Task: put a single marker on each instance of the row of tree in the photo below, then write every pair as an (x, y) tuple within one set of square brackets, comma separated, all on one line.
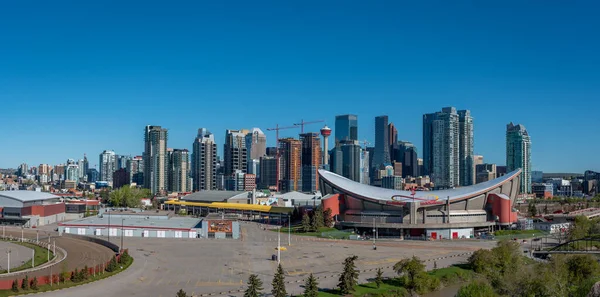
[(504, 271), (319, 218), (127, 197)]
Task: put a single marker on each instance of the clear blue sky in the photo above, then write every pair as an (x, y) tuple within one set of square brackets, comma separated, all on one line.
[(83, 76)]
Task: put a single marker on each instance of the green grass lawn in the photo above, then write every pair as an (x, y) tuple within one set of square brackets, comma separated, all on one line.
[(502, 234), (41, 257), (297, 230), (450, 275), (68, 283)]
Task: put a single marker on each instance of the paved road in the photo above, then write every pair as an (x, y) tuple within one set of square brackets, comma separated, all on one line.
[(18, 254), (202, 266), (79, 252)]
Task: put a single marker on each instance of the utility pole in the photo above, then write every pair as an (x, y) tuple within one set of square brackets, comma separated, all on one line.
[(8, 253), (33, 258), (37, 236), (22, 233), (48, 250), (289, 231)]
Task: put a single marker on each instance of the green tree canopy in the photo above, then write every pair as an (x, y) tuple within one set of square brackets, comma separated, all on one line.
[(476, 289), (311, 288), (349, 277), (306, 227), (254, 286), (128, 197), (278, 284)]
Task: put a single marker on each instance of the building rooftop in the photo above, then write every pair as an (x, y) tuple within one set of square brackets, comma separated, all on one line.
[(212, 196), (147, 222), (27, 196)]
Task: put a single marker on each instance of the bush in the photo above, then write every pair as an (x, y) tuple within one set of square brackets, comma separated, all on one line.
[(15, 286), (112, 265), (25, 283), (476, 289), (34, 284)]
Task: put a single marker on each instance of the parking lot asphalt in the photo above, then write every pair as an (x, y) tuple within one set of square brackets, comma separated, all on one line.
[(221, 267)]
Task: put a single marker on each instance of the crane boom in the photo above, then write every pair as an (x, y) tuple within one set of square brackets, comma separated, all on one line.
[(276, 129), (302, 123)]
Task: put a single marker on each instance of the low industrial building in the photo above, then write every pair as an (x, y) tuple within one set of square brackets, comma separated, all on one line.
[(30, 208), (149, 224)]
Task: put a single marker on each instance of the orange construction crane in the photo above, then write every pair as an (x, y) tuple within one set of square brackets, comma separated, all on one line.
[(302, 123), (276, 129)]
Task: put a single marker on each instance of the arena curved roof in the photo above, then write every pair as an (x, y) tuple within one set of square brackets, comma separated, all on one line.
[(27, 196), (375, 193)]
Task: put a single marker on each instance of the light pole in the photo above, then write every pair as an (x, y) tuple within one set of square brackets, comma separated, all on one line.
[(48, 250), (22, 233), (279, 245), (8, 253), (289, 231), (33, 258), (109, 226), (374, 230), (37, 236), (122, 222)]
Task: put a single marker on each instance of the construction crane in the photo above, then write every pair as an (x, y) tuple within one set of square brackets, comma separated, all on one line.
[(365, 143), (302, 123), (276, 129)]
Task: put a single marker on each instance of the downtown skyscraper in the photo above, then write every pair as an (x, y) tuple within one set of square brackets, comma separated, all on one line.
[(179, 171), (235, 151), (518, 153), (311, 161), (107, 165), (346, 127), (204, 161), (448, 146), (381, 155), (290, 165), (155, 159), (256, 147)]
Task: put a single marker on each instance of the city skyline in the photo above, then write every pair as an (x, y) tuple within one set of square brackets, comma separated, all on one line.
[(538, 68)]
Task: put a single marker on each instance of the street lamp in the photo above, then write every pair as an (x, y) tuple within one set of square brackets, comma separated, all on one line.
[(109, 226), (122, 222), (279, 245), (289, 231), (374, 230), (8, 253)]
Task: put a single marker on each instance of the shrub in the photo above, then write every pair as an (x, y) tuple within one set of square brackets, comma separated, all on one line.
[(34, 284), (15, 286)]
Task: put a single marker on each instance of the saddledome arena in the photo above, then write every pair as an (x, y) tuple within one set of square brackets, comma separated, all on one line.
[(445, 214)]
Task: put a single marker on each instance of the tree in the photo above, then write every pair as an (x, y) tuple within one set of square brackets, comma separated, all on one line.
[(278, 283), (546, 208), (306, 223), (476, 289), (349, 277), (582, 267), (181, 293), (581, 227), (85, 273), (254, 286), (311, 288), (75, 276), (34, 284), (64, 274), (15, 286), (25, 283), (532, 209), (327, 218), (415, 277), (112, 265), (379, 278), (125, 257)]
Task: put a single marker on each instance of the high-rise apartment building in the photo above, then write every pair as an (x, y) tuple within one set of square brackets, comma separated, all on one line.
[(448, 147), (382, 142), (364, 167), (465, 148), (107, 165), (155, 159), (256, 144), (23, 169), (311, 161), (393, 140), (121, 178), (518, 153), (268, 173), (86, 166), (477, 160), (122, 161), (235, 151), (179, 165), (346, 127), (290, 165), (72, 173), (204, 160), (135, 169)]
